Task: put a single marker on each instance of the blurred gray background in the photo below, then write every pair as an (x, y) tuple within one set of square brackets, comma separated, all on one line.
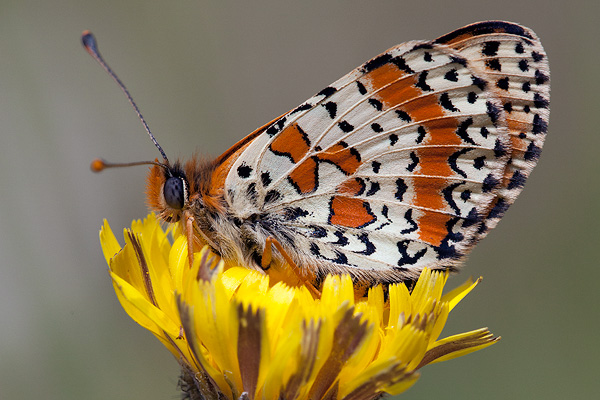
[(207, 73)]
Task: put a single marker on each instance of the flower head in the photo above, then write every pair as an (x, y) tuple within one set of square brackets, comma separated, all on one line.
[(238, 334)]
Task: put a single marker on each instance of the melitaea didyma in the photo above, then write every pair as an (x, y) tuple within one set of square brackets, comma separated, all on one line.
[(404, 163)]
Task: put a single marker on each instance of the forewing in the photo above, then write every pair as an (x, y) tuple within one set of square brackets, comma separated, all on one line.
[(390, 169)]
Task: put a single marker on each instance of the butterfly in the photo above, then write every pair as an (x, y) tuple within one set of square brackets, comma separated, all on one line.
[(404, 163)]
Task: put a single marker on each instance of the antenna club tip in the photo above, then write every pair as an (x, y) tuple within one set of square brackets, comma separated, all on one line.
[(88, 40), (97, 165)]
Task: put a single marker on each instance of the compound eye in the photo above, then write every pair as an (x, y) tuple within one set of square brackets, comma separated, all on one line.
[(174, 191)]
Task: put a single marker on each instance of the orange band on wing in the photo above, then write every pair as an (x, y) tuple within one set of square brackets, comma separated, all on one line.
[(351, 187), (395, 89), (292, 142), (349, 212), (344, 158), (304, 176), (432, 227), (401, 86)]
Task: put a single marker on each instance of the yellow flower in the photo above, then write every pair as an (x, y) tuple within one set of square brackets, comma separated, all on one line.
[(238, 335)]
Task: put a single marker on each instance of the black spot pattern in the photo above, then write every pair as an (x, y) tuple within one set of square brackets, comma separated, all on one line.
[(447, 193), (374, 188), (411, 222), (400, 189), (341, 239), (539, 101), (331, 108), (490, 49), (314, 249), (537, 57), (265, 178), (492, 111), (369, 246), (276, 127), (361, 88), (493, 64), (378, 105), (345, 126), (519, 48), (445, 250), (451, 75), (465, 195), (328, 91), (422, 132), (422, 82), (499, 209), (489, 183), (244, 171), (533, 152), (499, 149), (377, 62), (302, 107), (461, 131), (541, 78), (524, 65), (405, 258), (384, 211), (479, 162), (376, 165), (517, 180), (414, 162), (400, 63), (539, 125), (472, 97), (376, 127), (480, 83), (472, 218), (502, 83), (452, 161), (459, 60), (446, 103), (403, 116)]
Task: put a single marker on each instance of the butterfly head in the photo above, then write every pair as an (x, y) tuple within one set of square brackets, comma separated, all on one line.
[(167, 191)]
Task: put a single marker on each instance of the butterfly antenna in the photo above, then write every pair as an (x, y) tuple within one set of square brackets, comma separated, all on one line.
[(89, 42)]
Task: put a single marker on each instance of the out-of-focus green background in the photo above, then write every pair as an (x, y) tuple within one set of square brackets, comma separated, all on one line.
[(207, 73)]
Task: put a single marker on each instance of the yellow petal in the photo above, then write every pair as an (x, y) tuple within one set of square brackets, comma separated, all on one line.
[(145, 308), (461, 344), (400, 305), (110, 245), (454, 296)]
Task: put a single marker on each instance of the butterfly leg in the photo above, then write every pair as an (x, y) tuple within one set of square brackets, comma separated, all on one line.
[(267, 257), (189, 230)]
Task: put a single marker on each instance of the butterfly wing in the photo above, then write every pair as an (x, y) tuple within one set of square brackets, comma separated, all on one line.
[(512, 59), (392, 168)]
